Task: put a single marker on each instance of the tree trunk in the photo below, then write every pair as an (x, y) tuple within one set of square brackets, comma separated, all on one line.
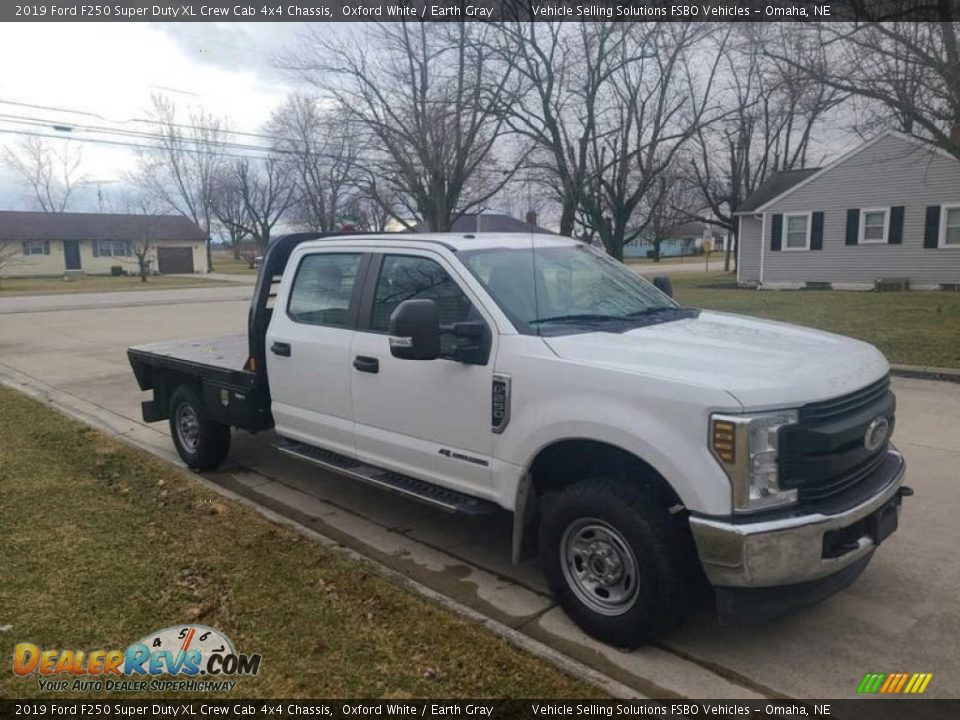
[(209, 255), (567, 217)]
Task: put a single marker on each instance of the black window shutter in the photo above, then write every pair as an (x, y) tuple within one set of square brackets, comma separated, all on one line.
[(896, 225), (853, 226), (46, 247), (816, 230), (26, 248), (931, 227), (776, 232), (96, 248)]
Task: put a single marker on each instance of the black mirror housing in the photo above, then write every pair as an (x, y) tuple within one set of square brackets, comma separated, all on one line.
[(415, 330), (663, 284)]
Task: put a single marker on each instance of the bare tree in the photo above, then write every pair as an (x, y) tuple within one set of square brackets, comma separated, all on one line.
[(322, 149), (267, 190), (142, 239), (657, 102), (230, 211), (910, 69), (564, 67), (670, 202), (432, 100), (52, 175), (773, 117), (182, 169)]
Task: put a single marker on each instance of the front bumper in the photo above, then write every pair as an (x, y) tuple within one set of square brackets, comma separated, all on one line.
[(799, 548)]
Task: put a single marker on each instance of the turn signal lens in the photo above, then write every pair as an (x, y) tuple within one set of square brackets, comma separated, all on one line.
[(724, 441)]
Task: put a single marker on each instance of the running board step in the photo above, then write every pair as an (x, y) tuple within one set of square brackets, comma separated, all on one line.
[(439, 497)]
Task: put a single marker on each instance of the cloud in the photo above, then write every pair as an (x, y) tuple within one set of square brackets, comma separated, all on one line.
[(112, 69)]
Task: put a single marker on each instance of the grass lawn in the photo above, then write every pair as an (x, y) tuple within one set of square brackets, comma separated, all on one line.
[(103, 544), (98, 283), (912, 328), (224, 262)]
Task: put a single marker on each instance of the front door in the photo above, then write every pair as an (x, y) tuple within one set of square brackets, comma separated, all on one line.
[(71, 254), (308, 351), (429, 419)]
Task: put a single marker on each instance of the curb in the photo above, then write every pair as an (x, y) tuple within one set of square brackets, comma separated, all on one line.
[(926, 373)]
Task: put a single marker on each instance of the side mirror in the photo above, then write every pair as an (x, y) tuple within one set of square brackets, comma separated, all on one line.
[(415, 330), (663, 284)]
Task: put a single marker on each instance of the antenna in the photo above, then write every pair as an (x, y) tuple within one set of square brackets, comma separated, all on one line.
[(533, 266)]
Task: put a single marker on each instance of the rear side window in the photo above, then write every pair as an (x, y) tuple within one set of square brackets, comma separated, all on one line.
[(405, 277), (322, 289)]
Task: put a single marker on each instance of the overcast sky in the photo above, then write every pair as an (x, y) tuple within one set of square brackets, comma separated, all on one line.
[(112, 69)]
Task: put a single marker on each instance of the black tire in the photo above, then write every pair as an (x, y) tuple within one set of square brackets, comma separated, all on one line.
[(665, 560), (202, 444)]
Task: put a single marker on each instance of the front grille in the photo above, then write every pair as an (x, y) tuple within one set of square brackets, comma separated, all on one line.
[(846, 404), (824, 454)]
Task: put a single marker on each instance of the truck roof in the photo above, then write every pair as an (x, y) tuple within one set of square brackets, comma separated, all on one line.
[(452, 241)]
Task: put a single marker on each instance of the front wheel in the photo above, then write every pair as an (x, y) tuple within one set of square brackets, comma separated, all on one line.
[(201, 443), (621, 566)]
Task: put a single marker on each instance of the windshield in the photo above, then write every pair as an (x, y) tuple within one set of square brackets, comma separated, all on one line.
[(570, 286)]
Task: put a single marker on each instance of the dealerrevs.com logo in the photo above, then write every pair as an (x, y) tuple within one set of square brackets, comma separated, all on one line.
[(186, 658)]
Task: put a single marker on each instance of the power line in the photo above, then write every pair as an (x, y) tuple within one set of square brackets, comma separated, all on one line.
[(116, 143), (141, 134), (52, 108)]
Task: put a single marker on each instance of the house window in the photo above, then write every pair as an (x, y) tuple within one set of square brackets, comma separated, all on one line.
[(113, 248), (950, 232), (797, 231), (874, 225), (34, 247)]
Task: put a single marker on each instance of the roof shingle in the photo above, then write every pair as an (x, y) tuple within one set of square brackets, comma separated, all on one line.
[(16, 225)]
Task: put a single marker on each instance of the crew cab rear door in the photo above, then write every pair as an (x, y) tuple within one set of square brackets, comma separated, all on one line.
[(308, 348)]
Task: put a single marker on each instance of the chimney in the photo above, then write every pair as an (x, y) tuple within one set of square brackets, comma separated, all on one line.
[(531, 218)]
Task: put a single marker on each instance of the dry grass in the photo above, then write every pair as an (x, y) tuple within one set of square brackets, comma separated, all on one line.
[(10, 287), (103, 544)]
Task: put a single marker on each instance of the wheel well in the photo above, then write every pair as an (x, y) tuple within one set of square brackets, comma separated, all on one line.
[(570, 461)]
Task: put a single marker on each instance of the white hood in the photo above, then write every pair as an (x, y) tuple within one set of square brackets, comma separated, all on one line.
[(760, 362)]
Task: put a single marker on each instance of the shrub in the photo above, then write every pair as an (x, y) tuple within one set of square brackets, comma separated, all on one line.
[(116, 270)]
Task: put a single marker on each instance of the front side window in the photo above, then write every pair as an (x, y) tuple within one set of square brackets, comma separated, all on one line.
[(113, 248), (407, 277), (33, 247), (874, 224), (797, 231), (568, 288), (322, 289), (951, 226)]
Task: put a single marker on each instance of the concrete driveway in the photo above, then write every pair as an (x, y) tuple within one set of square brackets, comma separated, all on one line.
[(902, 615)]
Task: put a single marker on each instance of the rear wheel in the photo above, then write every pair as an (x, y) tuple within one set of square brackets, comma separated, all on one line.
[(201, 443), (622, 567)]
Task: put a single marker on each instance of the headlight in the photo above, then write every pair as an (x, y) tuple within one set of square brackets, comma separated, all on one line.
[(747, 446)]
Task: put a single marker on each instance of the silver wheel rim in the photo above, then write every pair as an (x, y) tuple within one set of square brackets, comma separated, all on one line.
[(188, 427), (599, 566)]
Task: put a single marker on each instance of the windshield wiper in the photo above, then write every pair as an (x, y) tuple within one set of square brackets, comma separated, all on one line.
[(653, 310), (578, 318)]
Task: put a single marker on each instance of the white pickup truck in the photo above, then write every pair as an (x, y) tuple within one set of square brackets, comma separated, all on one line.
[(642, 447)]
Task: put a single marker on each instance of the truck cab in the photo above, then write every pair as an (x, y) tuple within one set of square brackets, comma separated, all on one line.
[(649, 452)]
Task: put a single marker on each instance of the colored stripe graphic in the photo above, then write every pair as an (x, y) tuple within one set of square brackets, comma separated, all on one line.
[(871, 682), (894, 683)]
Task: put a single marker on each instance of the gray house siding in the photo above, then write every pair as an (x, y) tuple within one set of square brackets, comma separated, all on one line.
[(892, 172), (748, 264)]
